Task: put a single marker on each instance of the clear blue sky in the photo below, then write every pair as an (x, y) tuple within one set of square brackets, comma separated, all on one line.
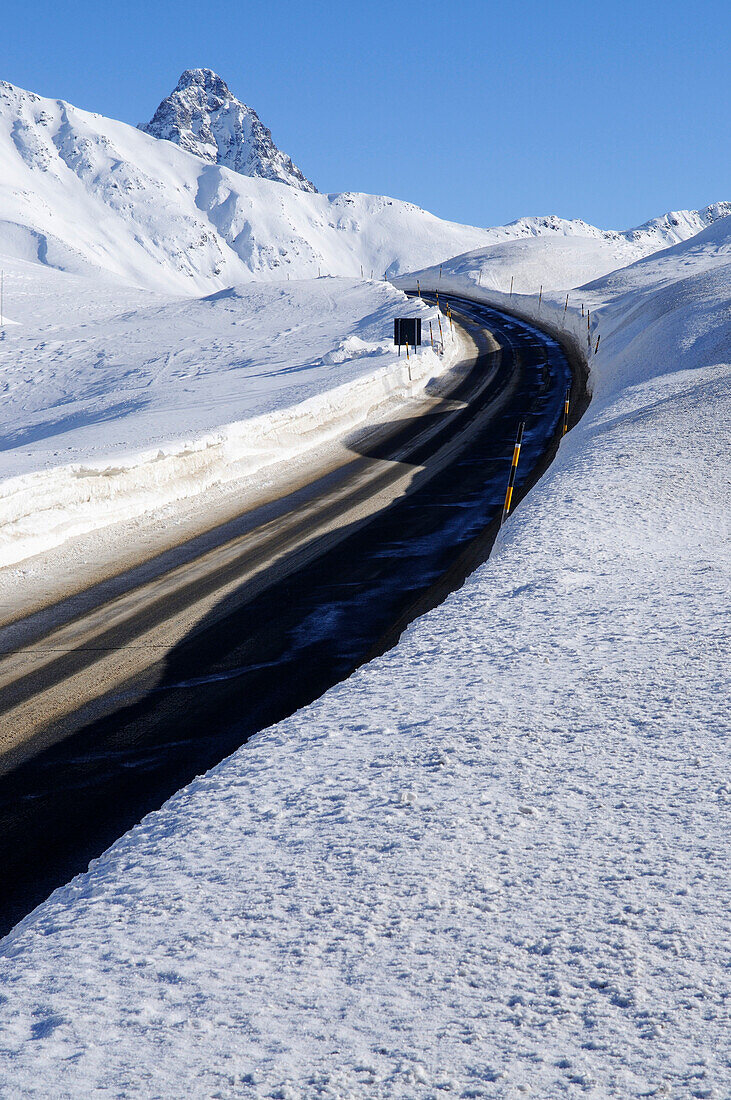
[(481, 112)]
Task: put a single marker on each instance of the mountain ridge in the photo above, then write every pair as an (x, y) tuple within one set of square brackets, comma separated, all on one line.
[(202, 116), (90, 195)]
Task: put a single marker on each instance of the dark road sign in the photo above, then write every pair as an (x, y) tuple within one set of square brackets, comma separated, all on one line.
[(407, 330)]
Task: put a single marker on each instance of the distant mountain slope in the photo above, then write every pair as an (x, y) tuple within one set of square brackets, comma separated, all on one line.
[(558, 254), (86, 194), (203, 117)]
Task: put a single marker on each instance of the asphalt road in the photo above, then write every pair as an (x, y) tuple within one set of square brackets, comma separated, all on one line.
[(113, 699)]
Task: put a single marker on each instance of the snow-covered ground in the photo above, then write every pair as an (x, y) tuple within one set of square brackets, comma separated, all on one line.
[(494, 862), (117, 401)]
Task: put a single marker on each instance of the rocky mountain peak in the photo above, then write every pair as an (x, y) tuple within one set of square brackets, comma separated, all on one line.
[(203, 117)]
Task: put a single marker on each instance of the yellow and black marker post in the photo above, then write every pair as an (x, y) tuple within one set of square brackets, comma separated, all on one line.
[(513, 468), (431, 336), (566, 412)]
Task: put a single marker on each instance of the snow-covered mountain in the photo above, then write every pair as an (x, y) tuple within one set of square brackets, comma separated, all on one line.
[(203, 117), (86, 194)]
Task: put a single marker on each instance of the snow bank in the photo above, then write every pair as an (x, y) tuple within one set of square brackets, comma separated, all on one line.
[(494, 862), (161, 402)]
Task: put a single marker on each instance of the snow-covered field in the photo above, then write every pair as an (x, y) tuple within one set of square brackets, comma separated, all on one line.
[(117, 401), (495, 861)]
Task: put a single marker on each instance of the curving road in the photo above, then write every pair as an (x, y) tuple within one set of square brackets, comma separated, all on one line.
[(113, 699)]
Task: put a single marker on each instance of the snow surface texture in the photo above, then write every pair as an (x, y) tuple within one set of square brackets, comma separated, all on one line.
[(494, 862), (202, 116), (116, 402), (84, 193)]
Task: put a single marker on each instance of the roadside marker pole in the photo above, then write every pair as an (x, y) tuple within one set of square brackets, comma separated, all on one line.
[(418, 288), (596, 348), (566, 412), (431, 336), (566, 306), (440, 271), (511, 286), (441, 334), (513, 468), (540, 297)]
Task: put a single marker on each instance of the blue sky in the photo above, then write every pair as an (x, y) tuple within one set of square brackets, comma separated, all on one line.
[(481, 112)]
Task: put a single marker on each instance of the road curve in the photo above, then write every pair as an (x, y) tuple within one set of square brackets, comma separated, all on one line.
[(113, 699)]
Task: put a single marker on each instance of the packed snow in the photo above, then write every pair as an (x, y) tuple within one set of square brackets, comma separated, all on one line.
[(494, 862), (117, 402)]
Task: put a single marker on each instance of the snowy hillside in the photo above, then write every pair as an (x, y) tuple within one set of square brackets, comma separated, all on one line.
[(87, 195), (84, 194), (558, 254), (203, 117), (492, 863)]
